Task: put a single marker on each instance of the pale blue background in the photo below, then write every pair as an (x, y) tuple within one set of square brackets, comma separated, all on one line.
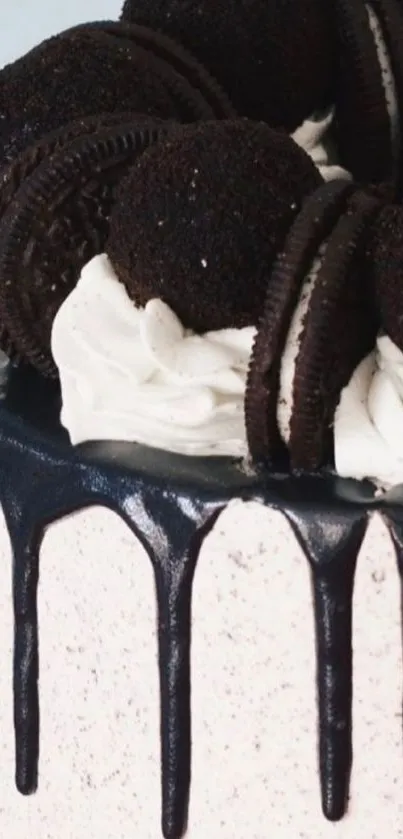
[(26, 22)]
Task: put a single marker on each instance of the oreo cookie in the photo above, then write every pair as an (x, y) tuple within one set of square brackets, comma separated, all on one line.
[(205, 98), (199, 220), (100, 68), (274, 59), (369, 89), (311, 227), (56, 221), (23, 165), (299, 377), (13, 175), (384, 260)]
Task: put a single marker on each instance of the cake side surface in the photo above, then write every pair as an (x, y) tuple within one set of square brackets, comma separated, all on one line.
[(253, 686)]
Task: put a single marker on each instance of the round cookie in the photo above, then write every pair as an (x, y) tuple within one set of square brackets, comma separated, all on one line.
[(99, 68), (205, 90), (273, 58), (198, 220), (23, 166), (56, 221)]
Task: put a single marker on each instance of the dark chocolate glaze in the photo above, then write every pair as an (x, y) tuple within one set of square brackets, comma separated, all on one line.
[(170, 503), (331, 541)]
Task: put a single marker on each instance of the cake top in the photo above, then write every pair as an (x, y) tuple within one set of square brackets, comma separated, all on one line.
[(228, 188), (247, 287)]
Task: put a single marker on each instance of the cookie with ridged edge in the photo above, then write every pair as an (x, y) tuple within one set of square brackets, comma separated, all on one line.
[(96, 72), (56, 222), (183, 62), (311, 227), (338, 330), (198, 221), (13, 174), (273, 58), (362, 123), (384, 261), (23, 134)]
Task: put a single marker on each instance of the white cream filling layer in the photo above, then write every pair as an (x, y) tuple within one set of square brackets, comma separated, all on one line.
[(388, 79), (137, 375), (368, 427), (314, 136)]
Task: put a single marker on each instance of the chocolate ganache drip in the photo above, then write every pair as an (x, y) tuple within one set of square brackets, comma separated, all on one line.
[(43, 479)]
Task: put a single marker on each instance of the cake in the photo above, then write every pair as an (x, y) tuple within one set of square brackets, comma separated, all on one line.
[(218, 620)]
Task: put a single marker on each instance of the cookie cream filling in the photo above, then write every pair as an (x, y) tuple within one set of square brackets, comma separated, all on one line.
[(314, 136), (388, 79), (368, 425), (137, 375), (291, 349)]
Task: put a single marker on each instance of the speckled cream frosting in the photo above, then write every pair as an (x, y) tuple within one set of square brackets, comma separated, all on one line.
[(253, 689)]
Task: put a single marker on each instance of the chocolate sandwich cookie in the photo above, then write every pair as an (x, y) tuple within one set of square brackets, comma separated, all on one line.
[(198, 220), (203, 92), (369, 89), (311, 227), (13, 175), (332, 327), (384, 261), (57, 220), (23, 165), (273, 59), (84, 71)]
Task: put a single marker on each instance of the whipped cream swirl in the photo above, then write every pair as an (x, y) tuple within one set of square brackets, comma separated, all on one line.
[(369, 419), (137, 375), (314, 136)]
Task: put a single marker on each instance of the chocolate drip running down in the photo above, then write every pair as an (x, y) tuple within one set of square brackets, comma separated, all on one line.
[(43, 478)]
